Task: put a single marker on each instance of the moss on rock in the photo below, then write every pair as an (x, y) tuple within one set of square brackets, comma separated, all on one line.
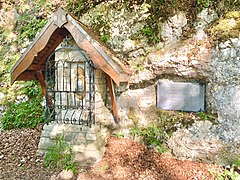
[(226, 27)]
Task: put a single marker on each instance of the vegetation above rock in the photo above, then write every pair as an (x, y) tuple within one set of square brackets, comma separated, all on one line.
[(228, 26)]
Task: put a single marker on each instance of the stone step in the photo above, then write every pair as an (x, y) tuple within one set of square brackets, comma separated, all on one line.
[(60, 128), (89, 157), (79, 146)]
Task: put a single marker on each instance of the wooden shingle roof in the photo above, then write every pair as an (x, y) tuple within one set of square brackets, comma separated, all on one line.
[(58, 27)]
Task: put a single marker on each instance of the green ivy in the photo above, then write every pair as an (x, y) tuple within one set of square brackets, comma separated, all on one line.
[(104, 38), (31, 89)]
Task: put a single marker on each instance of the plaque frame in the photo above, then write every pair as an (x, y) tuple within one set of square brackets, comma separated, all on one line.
[(181, 96)]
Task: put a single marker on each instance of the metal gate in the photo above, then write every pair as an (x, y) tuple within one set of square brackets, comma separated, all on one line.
[(70, 87)]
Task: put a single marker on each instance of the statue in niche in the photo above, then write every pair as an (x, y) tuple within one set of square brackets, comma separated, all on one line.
[(79, 83)]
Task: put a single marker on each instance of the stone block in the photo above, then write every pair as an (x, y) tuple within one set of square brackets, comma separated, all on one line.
[(46, 133), (49, 126), (75, 128), (65, 175), (91, 137), (86, 146), (44, 143), (80, 135), (79, 146), (98, 97), (89, 158), (41, 152), (94, 128), (69, 136), (99, 105)]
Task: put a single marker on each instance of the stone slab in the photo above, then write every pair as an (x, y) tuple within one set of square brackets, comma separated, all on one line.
[(183, 96), (89, 158)]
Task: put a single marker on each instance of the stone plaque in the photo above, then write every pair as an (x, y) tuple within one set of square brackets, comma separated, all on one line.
[(183, 96)]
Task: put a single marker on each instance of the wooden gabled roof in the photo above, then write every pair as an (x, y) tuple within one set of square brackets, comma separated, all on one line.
[(58, 27)]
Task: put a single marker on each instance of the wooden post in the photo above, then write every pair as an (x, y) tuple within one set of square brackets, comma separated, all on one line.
[(113, 98), (42, 82), (43, 85)]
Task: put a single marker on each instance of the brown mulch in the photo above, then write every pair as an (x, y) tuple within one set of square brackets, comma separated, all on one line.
[(18, 160), (126, 159), (123, 159)]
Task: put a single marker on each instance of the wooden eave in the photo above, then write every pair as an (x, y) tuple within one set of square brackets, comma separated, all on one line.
[(58, 27)]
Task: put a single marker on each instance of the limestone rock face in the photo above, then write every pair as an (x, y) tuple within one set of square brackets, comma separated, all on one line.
[(119, 23), (189, 60), (172, 28), (200, 143), (225, 88), (65, 175), (194, 143), (136, 105), (8, 18), (219, 142), (194, 59)]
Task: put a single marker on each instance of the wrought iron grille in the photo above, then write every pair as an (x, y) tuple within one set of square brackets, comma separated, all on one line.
[(70, 86)]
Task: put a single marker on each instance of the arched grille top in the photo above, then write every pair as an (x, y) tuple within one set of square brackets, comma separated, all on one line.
[(70, 87)]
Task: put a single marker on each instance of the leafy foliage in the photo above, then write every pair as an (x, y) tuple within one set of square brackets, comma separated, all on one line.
[(153, 136), (229, 175), (151, 35), (29, 29), (225, 27), (32, 89), (104, 38), (204, 3), (24, 114), (60, 155), (79, 7)]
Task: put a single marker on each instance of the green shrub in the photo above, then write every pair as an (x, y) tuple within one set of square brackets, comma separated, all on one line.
[(150, 34), (152, 136), (60, 155), (204, 3), (24, 114), (28, 26), (104, 38)]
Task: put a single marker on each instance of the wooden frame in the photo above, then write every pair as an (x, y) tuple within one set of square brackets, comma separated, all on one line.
[(52, 35), (113, 98)]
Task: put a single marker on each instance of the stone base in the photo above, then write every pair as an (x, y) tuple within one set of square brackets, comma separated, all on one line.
[(199, 143), (88, 144)]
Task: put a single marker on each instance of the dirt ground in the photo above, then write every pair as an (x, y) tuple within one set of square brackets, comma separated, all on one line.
[(123, 159)]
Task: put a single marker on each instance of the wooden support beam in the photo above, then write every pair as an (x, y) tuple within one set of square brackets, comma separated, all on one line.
[(42, 82), (27, 76), (113, 98), (35, 67)]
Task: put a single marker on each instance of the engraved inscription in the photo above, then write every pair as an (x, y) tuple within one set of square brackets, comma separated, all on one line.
[(184, 96)]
